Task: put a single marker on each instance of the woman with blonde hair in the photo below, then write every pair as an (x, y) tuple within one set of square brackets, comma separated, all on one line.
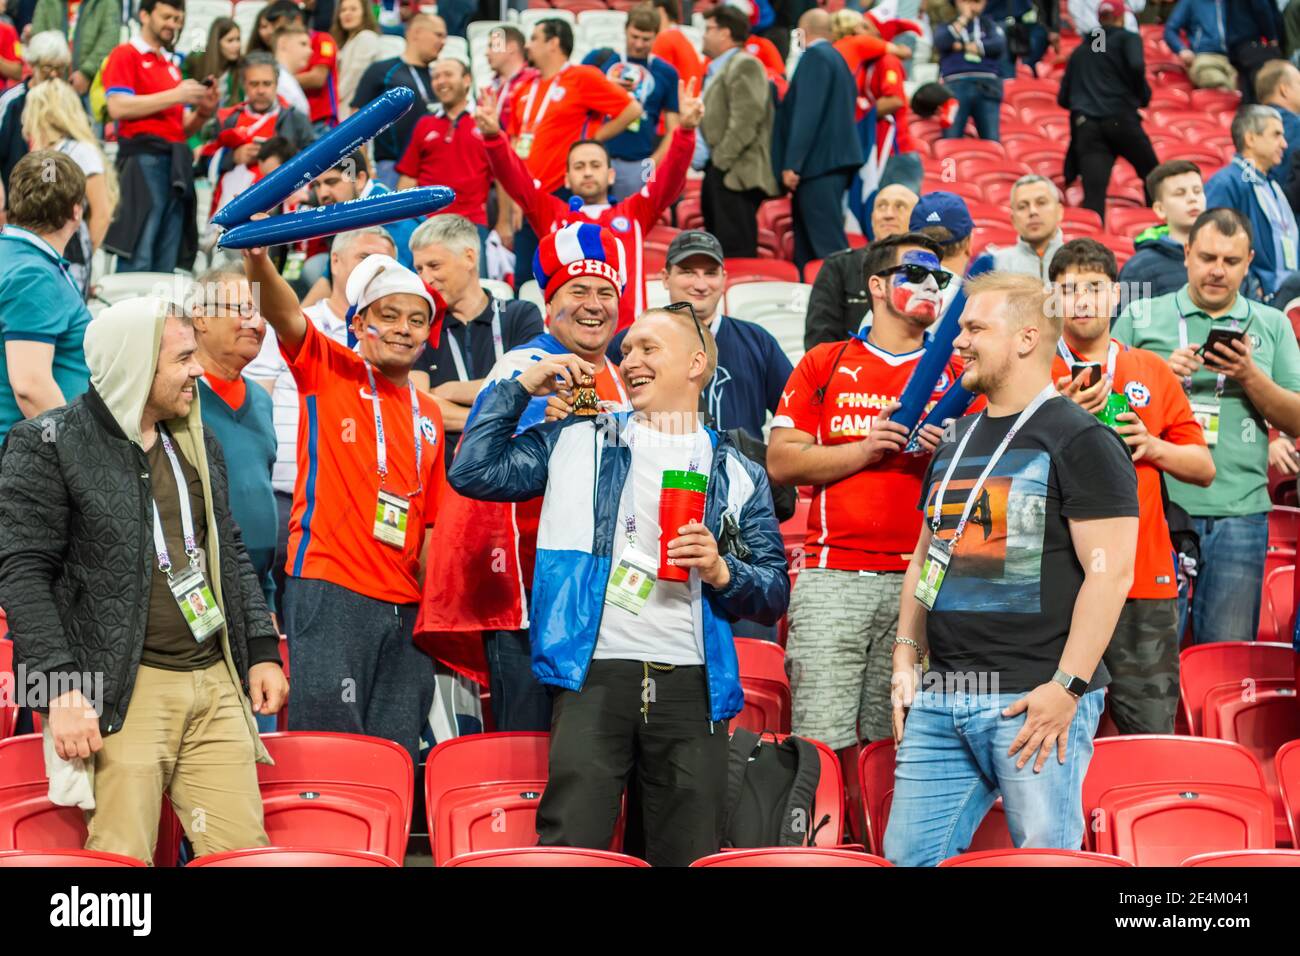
[(356, 31), (53, 118)]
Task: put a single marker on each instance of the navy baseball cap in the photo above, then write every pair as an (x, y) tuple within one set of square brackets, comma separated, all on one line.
[(942, 209)]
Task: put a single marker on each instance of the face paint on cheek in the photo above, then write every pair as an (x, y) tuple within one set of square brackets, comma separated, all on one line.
[(908, 298)]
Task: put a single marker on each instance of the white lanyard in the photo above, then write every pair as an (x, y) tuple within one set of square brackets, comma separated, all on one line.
[(524, 125), (702, 446), (381, 446), (975, 38), (262, 118), (1222, 379), (424, 94), (187, 518), (462, 372), (1267, 192), (1048, 392), (36, 242), (1070, 358)]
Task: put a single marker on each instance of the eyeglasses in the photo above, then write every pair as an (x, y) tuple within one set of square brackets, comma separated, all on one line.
[(687, 307), (916, 274)]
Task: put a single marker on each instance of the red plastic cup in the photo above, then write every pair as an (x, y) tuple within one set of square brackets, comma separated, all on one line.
[(677, 507)]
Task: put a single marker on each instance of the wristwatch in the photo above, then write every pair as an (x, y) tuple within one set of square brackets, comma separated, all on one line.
[(1076, 686)]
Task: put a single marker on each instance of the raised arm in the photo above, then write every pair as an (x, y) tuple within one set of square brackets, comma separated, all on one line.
[(275, 300)]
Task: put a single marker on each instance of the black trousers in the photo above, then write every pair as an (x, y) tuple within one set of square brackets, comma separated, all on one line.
[(599, 735), (730, 215), (1098, 142), (819, 216)]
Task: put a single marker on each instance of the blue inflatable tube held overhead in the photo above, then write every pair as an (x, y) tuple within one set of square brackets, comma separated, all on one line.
[(338, 217), (920, 386), (326, 153)]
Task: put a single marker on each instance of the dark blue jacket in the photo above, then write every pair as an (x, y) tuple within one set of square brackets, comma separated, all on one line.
[(1158, 266), (581, 465), (815, 132), (1203, 22), (1247, 20), (954, 63)]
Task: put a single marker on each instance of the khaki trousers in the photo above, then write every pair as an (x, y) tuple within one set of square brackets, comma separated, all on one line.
[(185, 735)]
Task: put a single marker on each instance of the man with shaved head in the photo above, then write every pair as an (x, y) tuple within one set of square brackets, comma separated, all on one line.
[(815, 145)]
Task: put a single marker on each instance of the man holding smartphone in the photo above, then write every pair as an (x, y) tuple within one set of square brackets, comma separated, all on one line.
[(1240, 366), (1163, 437)]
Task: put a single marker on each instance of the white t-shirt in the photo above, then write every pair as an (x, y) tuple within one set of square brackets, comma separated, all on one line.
[(665, 630), (270, 365), (289, 87), (84, 155)]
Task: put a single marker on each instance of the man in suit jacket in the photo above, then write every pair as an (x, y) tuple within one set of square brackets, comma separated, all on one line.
[(816, 145), (737, 133)]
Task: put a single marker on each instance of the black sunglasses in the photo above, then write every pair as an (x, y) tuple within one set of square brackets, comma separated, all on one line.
[(916, 274), (687, 307)]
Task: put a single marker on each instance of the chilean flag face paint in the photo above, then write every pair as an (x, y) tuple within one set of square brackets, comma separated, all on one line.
[(918, 300)]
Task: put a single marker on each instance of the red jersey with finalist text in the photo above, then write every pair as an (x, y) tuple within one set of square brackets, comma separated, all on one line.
[(1156, 395), (862, 522), (137, 69)]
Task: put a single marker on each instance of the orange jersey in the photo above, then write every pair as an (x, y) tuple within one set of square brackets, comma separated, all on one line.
[(673, 48), (1156, 395), (331, 527), (867, 521)]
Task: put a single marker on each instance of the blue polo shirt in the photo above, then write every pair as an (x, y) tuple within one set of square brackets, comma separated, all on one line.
[(657, 92), (39, 302)]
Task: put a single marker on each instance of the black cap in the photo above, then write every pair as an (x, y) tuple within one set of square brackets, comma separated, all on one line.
[(694, 242)]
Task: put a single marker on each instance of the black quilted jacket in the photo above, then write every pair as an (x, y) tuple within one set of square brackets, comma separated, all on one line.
[(76, 553)]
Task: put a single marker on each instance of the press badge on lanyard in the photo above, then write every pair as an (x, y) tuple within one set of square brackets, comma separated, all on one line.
[(1206, 413), (939, 555), (392, 509), (193, 596), (524, 143)]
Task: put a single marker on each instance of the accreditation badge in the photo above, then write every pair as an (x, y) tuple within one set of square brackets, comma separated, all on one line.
[(197, 604), (391, 512), (1207, 413), (632, 581), (932, 573), (524, 145)]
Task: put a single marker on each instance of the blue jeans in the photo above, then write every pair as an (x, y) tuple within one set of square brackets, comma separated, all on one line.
[(519, 700), (1229, 581), (160, 238), (953, 764), (978, 97)]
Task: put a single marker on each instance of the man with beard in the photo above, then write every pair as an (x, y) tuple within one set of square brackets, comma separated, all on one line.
[(1163, 438), (368, 441), (832, 431), (482, 553), (1013, 590), (155, 110)]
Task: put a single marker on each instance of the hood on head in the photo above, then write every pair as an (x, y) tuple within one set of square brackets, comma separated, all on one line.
[(121, 347)]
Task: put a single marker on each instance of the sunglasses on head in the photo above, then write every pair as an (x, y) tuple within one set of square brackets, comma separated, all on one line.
[(687, 307), (916, 274)]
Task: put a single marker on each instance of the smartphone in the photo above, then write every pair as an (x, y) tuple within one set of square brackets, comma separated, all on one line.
[(1225, 336), (1092, 368), (210, 82)]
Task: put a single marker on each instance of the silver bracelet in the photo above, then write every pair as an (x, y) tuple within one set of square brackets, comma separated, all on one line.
[(920, 652)]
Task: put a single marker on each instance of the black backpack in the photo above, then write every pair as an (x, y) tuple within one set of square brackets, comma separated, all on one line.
[(771, 792)]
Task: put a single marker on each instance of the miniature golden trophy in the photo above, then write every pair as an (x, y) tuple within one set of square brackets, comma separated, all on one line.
[(584, 398)]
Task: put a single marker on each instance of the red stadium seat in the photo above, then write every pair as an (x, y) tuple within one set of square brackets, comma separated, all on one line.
[(766, 687), (1156, 800), (1202, 667), (791, 856), (547, 856), (337, 792), (811, 269), (1287, 767), (773, 212), (292, 857), (481, 792), (1130, 221), (1170, 98), (966, 148), (8, 689), (1216, 101), (1033, 858), (28, 821), (1275, 621), (1240, 858), (1081, 219), (760, 270), (876, 776), (66, 858)]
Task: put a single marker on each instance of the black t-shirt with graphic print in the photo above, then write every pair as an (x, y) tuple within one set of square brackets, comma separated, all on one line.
[(1008, 596)]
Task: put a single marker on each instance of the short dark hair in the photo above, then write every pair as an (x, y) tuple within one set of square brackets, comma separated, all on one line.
[(1175, 167), (884, 254), (147, 6), (510, 35), (670, 7), (1083, 255), (586, 142), (731, 20), (928, 98), (277, 147), (944, 236), (279, 9), (553, 28), (43, 188), (354, 163), (1225, 221)]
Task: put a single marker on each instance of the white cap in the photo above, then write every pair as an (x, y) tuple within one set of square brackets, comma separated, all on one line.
[(378, 275)]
